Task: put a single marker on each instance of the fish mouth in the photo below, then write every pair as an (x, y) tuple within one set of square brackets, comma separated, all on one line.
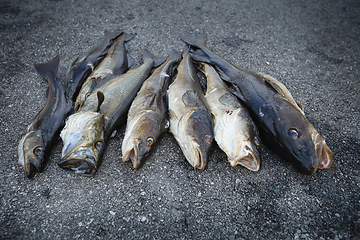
[(324, 155), (82, 162), (247, 157), (133, 154), (195, 156)]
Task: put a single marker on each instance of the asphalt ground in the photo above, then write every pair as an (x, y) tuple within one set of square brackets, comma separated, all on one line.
[(310, 46)]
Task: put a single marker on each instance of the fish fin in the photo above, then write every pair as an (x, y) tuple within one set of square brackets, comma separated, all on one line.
[(50, 69), (228, 99), (130, 60), (128, 37), (300, 106), (101, 97), (191, 99), (115, 34), (280, 88), (157, 60), (195, 39)]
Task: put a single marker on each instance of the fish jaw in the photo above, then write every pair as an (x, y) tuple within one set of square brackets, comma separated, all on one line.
[(81, 161), (194, 134), (133, 153), (31, 152), (83, 138), (245, 155), (323, 153)]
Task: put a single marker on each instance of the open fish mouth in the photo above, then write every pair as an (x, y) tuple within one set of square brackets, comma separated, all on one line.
[(82, 162), (195, 155), (133, 154), (323, 152), (247, 157)]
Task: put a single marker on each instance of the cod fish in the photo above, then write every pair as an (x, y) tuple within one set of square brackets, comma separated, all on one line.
[(87, 132), (190, 118), (115, 63), (147, 118), (35, 146), (234, 130), (281, 120), (83, 65)]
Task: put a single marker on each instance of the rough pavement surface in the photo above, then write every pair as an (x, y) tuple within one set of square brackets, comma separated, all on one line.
[(310, 46)]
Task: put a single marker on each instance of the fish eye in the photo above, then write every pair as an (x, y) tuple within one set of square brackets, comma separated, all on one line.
[(99, 146), (38, 151), (257, 141), (150, 141), (87, 95), (293, 133), (208, 139)]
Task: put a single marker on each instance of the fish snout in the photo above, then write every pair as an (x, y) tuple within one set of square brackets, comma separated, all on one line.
[(82, 161), (248, 157), (197, 156)]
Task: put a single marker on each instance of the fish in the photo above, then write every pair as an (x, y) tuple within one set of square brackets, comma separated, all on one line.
[(147, 116), (234, 130), (35, 146), (115, 63), (83, 65), (109, 101), (189, 115), (281, 120)]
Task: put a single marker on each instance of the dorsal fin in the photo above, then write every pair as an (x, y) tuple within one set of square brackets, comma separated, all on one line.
[(101, 97)]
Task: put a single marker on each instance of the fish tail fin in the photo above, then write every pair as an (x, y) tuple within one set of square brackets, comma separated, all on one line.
[(49, 69), (174, 56), (130, 60), (127, 37), (157, 60), (195, 39), (115, 34)]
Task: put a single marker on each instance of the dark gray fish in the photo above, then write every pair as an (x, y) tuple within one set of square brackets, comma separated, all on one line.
[(190, 118), (87, 132), (147, 118), (83, 65), (281, 120), (34, 147)]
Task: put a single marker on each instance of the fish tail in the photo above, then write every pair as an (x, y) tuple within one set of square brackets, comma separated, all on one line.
[(157, 60), (174, 56), (49, 69), (127, 37), (110, 35), (195, 39)]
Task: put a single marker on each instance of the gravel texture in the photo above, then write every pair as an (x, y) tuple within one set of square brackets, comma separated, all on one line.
[(310, 46)]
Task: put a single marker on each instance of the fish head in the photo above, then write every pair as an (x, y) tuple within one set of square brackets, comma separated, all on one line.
[(197, 131), (141, 134), (303, 145), (83, 137), (31, 152)]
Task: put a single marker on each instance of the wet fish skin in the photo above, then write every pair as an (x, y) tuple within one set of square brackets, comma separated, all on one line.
[(84, 142), (35, 146), (147, 118), (234, 130), (111, 101), (83, 65), (115, 63), (190, 119), (281, 120)]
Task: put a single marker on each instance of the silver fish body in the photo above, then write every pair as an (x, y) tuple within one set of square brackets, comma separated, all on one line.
[(110, 101), (281, 120), (190, 119), (234, 130), (115, 63), (147, 119)]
